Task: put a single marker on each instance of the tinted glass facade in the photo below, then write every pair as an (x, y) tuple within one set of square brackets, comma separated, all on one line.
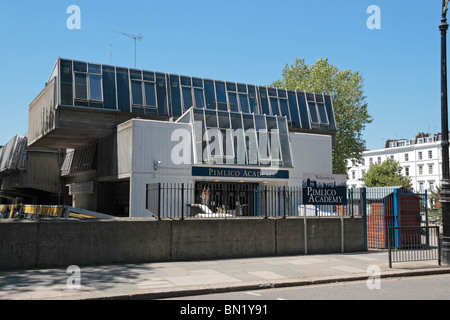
[(93, 85)]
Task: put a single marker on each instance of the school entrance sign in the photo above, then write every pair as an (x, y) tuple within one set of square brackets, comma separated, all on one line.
[(324, 189)]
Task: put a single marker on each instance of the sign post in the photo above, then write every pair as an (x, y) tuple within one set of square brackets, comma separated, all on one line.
[(324, 189)]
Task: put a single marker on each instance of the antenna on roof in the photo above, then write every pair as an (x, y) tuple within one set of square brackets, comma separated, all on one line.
[(135, 37), (110, 54)]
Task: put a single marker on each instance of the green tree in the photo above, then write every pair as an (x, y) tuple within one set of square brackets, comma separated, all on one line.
[(388, 173), (435, 211), (346, 89)]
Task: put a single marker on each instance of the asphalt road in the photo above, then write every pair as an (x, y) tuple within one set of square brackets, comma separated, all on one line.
[(432, 287)]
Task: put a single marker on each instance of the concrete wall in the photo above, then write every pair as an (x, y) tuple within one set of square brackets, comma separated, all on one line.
[(48, 244)]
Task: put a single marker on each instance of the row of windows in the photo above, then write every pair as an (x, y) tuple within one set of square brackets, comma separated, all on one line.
[(420, 170), (420, 156), (102, 86)]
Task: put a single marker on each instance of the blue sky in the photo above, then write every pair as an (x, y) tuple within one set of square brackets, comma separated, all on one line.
[(247, 41)]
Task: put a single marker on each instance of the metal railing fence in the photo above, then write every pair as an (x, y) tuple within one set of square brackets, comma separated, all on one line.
[(414, 244), (222, 200)]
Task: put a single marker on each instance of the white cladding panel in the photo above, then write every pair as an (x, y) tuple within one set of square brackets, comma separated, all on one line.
[(310, 153), (152, 141)]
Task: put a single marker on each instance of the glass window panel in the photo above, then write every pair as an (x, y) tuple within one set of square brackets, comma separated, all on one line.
[(175, 95), (231, 86), (282, 125), (211, 119), (293, 109), (264, 101), (271, 123), (161, 94), (197, 82), (224, 120), (186, 118), (95, 87), (187, 97), (236, 121), (227, 146), (330, 113), (243, 101), (80, 86), (284, 108), (313, 112), (198, 115), (242, 88), (94, 68), (274, 106), (136, 74), (150, 94), (210, 99), (137, 109), (275, 153), (303, 111), (80, 66), (322, 113), (285, 150), (186, 81), (251, 146), (272, 92), (282, 93), (149, 76), (199, 100), (123, 89), (136, 91), (263, 147), (253, 100), (310, 97), (248, 122), (319, 98), (240, 148), (199, 131), (66, 82), (260, 122), (214, 142), (232, 98), (221, 96), (109, 87)]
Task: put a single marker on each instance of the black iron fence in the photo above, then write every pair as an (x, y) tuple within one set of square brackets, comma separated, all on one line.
[(230, 200), (413, 244), (382, 208)]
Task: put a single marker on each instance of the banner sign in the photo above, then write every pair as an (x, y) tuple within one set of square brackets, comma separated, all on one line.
[(239, 173), (324, 189)]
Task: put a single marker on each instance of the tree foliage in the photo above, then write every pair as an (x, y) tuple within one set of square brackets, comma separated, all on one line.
[(435, 211), (346, 89), (388, 173)]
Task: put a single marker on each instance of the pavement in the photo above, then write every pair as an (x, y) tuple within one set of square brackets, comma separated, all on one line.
[(162, 280)]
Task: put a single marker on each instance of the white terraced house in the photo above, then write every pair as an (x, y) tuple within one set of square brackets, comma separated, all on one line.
[(420, 159)]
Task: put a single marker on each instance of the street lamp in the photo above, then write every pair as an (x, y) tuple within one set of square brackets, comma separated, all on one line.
[(445, 184)]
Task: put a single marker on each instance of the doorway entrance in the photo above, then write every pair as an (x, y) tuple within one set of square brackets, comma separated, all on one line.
[(237, 199)]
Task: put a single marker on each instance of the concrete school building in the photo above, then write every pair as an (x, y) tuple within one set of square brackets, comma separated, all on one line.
[(112, 132)]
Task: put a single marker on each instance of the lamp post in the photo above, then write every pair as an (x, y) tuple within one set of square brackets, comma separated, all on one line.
[(445, 184)]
